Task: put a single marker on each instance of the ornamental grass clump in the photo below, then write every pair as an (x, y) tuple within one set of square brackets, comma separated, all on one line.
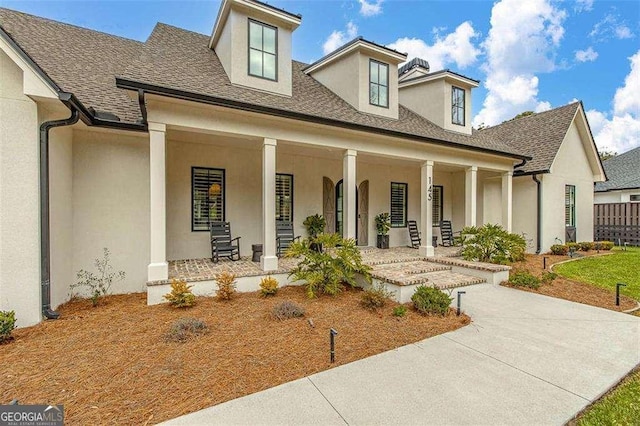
[(286, 310), (7, 325), (226, 282), (180, 295), (185, 329), (327, 270), (493, 244), (430, 300), (268, 286)]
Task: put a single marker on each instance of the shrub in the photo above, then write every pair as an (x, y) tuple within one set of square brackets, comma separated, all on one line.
[(430, 300), (315, 225), (226, 282), (375, 297), (326, 270), (99, 285), (492, 243), (559, 249), (586, 245), (268, 286), (606, 245), (548, 277), (184, 329), (383, 223), (287, 309), (7, 324), (399, 311), (573, 247), (522, 278), (180, 295)]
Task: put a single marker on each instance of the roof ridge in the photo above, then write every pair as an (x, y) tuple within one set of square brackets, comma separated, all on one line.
[(66, 24), (531, 116), (178, 28)]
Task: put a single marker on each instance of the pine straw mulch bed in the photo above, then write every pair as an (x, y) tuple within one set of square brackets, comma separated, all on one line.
[(575, 291), (111, 364)]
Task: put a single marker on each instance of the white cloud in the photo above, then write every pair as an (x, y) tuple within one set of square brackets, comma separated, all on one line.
[(454, 48), (584, 5), (588, 55), (339, 38), (522, 42), (370, 9), (622, 132), (609, 27)]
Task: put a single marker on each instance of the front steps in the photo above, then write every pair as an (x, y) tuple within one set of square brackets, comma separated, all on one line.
[(402, 278)]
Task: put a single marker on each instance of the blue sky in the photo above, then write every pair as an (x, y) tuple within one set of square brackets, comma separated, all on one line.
[(528, 54)]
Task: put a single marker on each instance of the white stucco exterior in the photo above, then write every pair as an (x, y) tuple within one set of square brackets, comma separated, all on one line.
[(617, 196)]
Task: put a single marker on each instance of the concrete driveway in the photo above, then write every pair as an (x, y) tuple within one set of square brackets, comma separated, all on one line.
[(525, 359)]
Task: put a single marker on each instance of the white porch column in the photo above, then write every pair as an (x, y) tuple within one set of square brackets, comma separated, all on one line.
[(471, 194), (507, 200), (158, 269), (426, 209), (269, 260), (349, 188)]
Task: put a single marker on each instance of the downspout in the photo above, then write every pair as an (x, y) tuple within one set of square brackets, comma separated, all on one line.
[(45, 234), (538, 215)]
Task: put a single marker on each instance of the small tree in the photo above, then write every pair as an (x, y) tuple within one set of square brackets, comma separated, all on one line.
[(492, 243), (99, 285), (315, 225), (325, 271)]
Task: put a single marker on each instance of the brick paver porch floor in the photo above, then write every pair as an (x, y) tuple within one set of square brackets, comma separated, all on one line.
[(204, 269)]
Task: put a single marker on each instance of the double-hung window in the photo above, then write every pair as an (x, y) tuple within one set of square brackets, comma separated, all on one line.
[(378, 83), (457, 106), (263, 45), (436, 205), (570, 205), (284, 197), (398, 205), (207, 195)]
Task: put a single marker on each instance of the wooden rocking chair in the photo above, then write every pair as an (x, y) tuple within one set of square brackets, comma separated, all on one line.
[(447, 233), (414, 234), (222, 245), (284, 237)]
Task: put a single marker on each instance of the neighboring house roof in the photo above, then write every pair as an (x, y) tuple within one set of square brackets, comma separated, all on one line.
[(538, 135), (78, 60), (623, 172)]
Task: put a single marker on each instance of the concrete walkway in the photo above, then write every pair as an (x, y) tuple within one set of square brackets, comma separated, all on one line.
[(525, 359)]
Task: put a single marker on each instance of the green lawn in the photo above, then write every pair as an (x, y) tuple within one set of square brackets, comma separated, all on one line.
[(620, 407), (606, 271)]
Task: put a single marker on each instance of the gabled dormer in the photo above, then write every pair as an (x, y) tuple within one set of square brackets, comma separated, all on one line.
[(253, 42), (443, 97), (364, 74)]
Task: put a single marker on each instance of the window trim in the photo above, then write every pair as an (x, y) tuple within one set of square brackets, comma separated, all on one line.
[(249, 48), (405, 204), (437, 225), (634, 198), (224, 195), (379, 85), (292, 195), (572, 206), (464, 106)]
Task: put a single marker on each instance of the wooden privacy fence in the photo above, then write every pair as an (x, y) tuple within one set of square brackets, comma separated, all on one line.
[(617, 222)]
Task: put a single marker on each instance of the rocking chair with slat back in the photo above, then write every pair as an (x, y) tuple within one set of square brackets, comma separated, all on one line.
[(222, 245), (284, 237), (414, 234)]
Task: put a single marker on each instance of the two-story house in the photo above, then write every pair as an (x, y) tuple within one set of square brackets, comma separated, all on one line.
[(110, 142)]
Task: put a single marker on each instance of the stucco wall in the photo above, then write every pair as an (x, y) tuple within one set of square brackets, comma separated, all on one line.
[(111, 204), (491, 201), (623, 196), (342, 77), (19, 198), (570, 167), (525, 209), (426, 99)]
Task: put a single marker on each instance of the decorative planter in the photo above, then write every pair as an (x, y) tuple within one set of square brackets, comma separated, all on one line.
[(383, 242)]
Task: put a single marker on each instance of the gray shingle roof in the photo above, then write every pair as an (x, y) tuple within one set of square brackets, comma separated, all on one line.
[(539, 135), (622, 170), (86, 62), (81, 61)]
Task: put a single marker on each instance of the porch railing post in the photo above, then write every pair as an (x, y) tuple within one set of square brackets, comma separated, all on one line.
[(269, 260), (426, 209)]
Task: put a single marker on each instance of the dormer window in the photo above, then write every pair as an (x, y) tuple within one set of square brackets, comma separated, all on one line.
[(378, 84), (263, 56), (457, 106)]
